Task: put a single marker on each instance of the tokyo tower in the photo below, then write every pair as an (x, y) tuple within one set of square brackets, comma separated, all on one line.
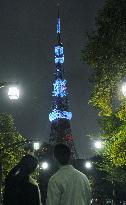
[(60, 115)]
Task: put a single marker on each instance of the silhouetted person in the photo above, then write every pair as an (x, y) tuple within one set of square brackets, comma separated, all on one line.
[(67, 186), (20, 187)]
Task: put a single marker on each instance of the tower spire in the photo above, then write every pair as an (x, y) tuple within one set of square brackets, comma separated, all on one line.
[(58, 24)]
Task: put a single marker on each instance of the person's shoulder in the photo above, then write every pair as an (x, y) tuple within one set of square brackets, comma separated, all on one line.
[(55, 177), (82, 175)]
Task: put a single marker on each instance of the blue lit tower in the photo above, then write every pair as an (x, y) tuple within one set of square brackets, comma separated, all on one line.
[(60, 116)]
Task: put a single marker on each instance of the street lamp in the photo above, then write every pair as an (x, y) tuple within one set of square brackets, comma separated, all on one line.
[(88, 165), (44, 165), (98, 144), (36, 145), (13, 91), (124, 89)]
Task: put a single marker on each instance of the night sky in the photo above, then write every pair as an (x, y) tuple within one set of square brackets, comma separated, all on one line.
[(27, 39)]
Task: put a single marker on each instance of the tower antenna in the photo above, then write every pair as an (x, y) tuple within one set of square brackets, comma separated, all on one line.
[(58, 24)]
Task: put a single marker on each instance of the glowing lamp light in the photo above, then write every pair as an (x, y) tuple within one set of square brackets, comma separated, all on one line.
[(98, 144), (124, 89), (88, 165), (13, 93), (44, 165), (36, 145)]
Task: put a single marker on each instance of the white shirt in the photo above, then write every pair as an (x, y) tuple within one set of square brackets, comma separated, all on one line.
[(68, 187)]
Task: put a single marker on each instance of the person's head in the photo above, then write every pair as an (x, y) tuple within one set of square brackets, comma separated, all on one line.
[(28, 164), (62, 153)]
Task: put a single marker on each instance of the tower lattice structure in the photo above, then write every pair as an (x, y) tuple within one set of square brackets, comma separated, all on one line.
[(60, 115)]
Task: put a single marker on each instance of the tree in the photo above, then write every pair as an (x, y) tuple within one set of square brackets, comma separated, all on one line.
[(11, 146), (106, 54)]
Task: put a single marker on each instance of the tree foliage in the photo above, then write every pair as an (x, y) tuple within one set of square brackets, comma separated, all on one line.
[(106, 54), (11, 145)]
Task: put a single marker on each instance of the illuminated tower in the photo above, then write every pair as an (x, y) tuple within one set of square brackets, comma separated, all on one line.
[(60, 116)]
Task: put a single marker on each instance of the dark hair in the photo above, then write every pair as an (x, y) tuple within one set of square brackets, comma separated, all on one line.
[(62, 153), (28, 164)]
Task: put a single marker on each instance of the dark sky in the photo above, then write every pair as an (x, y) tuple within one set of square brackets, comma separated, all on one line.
[(27, 39)]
